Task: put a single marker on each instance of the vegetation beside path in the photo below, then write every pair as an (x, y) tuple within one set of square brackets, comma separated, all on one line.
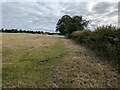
[(103, 40)]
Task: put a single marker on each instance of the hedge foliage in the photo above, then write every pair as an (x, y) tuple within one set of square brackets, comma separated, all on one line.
[(105, 40)]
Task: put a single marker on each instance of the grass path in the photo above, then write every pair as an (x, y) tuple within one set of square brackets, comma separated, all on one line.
[(52, 61), (83, 69)]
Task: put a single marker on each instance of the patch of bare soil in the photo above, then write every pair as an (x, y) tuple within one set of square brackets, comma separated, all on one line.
[(83, 69)]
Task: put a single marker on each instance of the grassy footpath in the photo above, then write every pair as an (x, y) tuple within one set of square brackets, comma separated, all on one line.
[(28, 59)]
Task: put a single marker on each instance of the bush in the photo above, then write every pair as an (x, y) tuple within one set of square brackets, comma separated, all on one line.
[(82, 36), (105, 40)]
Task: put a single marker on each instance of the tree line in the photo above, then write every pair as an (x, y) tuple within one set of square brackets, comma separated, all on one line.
[(25, 31)]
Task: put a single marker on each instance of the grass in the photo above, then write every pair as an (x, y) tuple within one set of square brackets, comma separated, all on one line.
[(28, 59), (44, 61)]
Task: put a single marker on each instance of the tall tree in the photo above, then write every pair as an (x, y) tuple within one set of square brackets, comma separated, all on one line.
[(63, 24), (67, 24)]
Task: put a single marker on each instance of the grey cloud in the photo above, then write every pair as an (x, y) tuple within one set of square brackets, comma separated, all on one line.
[(119, 14), (113, 13), (103, 12), (103, 7), (73, 8), (44, 15)]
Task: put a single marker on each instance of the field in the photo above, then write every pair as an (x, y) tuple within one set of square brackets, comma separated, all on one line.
[(43, 61)]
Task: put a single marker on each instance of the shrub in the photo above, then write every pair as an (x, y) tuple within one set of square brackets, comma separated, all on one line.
[(105, 40), (81, 35)]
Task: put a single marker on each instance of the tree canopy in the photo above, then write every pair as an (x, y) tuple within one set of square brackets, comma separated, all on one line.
[(67, 24)]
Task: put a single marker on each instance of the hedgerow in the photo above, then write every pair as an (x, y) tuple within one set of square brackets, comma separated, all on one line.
[(105, 40)]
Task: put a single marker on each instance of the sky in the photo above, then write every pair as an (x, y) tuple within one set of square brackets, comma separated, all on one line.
[(43, 15)]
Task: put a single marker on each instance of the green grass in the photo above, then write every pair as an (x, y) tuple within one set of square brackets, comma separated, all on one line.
[(33, 67)]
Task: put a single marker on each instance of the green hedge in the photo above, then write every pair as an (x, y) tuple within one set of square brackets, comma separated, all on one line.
[(104, 40)]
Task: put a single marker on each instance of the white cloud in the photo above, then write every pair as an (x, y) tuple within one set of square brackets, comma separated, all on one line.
[(60, 0), (45, 14)]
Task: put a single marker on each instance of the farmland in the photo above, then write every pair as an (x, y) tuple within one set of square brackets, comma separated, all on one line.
[(44, 61)]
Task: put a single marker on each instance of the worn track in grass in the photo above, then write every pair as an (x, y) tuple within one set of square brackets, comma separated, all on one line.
[(82, 68)]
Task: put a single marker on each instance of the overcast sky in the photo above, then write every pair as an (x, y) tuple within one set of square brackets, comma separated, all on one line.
[(43, 15)]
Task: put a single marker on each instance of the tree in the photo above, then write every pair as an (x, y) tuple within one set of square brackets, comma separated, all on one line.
[(80, 22), (63, 24), (67, 24)]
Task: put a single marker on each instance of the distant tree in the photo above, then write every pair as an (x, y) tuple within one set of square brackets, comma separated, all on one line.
[(67, 24), (15, 31), (41, 32), (22, 31), (2, 30)]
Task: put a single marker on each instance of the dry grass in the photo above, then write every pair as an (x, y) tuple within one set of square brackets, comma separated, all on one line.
[(83, 69), (28, 59), (52, 61)]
